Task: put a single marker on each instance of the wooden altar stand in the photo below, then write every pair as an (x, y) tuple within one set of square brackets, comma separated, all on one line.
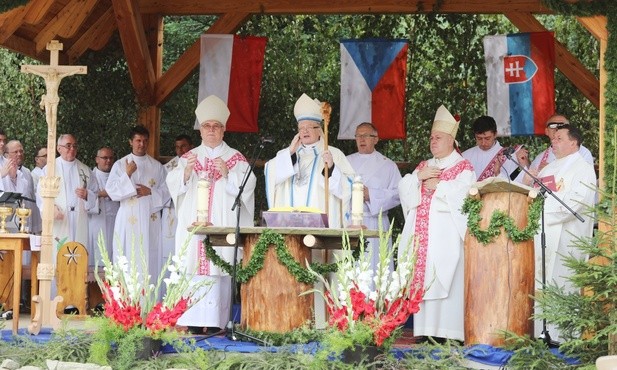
[(16, 243), (271, 300)]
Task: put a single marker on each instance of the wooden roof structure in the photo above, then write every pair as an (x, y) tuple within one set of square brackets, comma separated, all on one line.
[(83, 25)]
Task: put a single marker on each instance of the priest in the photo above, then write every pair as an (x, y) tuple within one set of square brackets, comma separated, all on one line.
[(224, 168), (432, 197)]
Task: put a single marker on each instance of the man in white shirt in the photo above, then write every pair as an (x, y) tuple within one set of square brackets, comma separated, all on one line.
[(40, 161)]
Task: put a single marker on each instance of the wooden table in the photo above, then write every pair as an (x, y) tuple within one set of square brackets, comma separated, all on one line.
[(17, 243)]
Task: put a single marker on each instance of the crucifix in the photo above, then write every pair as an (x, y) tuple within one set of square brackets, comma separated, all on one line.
[(50, 185)]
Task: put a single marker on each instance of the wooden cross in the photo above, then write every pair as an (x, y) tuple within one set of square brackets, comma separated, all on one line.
[(49, 185)]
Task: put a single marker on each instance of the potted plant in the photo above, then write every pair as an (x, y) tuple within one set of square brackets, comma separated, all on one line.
[(134, 319), (367, 307)]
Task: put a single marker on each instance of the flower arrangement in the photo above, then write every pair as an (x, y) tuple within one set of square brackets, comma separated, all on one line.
[(132, 301), (366, 305)]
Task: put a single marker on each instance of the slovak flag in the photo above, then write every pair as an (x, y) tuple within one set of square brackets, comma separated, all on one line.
[(520, 83), (373, 79), (231, 68)]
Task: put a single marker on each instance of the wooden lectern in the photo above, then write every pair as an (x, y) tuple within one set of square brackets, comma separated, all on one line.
[(270, 300), (499, 277)]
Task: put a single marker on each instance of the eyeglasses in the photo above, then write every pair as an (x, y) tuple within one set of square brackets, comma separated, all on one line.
[(308, 128), (69, 146), (105, 158), (557, 125), (365, 136), (211, 126)]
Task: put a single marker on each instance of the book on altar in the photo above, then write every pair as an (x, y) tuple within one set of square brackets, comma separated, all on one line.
[(295, 217)]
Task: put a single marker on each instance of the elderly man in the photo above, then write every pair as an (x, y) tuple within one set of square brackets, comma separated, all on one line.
[(137, 181), (77, 196), (547, 155), (432, 197), (225, 168), (295, 177), (40, 160), (573, 180), (380, 177), (104, 216), (487, 157)]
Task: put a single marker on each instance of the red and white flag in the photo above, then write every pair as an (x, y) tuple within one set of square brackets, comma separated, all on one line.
[(231, 68)]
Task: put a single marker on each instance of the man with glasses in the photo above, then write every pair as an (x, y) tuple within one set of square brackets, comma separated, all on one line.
[(137, 181), (104, 216), (225, 168), (380, 177), (77, 195), (40, 160), (295, 177), (547, 156)]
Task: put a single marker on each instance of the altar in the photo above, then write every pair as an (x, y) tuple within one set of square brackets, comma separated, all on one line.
[(272, 300)]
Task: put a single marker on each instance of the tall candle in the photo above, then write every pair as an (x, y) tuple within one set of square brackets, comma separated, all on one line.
[(357, 202), (203, 197)]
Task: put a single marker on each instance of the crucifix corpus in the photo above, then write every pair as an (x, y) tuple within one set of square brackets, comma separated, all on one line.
[(50, 184)]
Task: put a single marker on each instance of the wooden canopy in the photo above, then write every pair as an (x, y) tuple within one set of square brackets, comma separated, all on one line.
[(89, 24)]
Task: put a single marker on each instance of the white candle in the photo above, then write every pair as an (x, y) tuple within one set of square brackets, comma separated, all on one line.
[(203, 197), (357, 202)]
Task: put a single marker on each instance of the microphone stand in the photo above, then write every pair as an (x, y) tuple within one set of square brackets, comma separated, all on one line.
[(231, 333), (545, 336)]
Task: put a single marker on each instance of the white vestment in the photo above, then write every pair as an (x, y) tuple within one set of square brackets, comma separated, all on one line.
[(214, 309), (380, 176), (480, 159), (138, 222), (169, 219), (575, 179), (437, 224), (36, 173), (547, 156), (102, 219)]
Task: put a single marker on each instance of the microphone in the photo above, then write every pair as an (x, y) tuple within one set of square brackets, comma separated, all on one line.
[(266, 139), (509, 151)]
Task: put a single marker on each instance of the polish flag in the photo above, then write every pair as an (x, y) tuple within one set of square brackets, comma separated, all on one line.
[(373, 79), (520, 83), (231, 68)]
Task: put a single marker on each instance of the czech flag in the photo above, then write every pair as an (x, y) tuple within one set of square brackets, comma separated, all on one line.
[(520, 83), (231, 68), (373, 79)]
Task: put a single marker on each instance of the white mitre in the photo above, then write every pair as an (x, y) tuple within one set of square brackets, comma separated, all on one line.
[(212, 108), (445, 122), (307, 109)]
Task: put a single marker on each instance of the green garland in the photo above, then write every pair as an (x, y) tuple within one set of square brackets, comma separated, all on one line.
[(256, 263), (472, 207)]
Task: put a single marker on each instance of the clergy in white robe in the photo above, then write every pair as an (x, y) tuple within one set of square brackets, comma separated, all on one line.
[(488, 156), (574, 181), (76, 198), (137, 181), (432, 197), (103, 219), (183, 144), (380, 177), (40, 160), (225, 168)]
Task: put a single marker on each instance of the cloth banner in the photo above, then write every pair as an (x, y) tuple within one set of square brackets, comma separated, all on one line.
[(520, 83), (373, 79), (231, 68)]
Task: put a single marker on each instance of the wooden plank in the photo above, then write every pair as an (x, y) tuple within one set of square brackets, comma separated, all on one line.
[(130, 25), (595, 25), (37, 9), (98, 33), (80, 12), (12, 21), (150, 117), (181, 70), (585, 81), (187, 7), (53, 27), (24, 47)]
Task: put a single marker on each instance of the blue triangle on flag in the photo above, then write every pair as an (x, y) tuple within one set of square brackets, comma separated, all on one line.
[(373, 57)]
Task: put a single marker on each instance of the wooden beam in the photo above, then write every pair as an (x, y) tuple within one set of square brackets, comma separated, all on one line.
[(37, 9), (188, 7), (181, 70), (132, 34), (595, 25), (80, 13), (13, 19), (65, 23), (99, 32), (585, 81), (22, 46), (153, 26), (150, 117)]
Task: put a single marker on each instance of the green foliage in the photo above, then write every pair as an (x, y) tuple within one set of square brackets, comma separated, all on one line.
[(6, 5), (304, 334), (531, 354)]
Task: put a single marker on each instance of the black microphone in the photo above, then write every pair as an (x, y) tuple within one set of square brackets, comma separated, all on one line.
[(269, 140), (509, 151)]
